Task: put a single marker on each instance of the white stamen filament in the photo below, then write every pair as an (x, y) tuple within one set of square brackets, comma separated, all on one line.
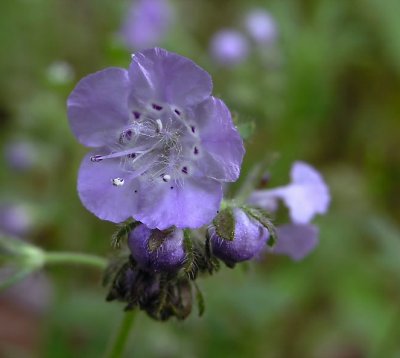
[(159, 125)]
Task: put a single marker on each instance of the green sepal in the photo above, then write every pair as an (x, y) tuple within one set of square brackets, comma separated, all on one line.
[(190, 266), (263, 217), (199, 299), (157, 238), (224, 224), (122, 233)]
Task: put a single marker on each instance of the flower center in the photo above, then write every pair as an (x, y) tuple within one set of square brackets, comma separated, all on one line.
[(158, 143)]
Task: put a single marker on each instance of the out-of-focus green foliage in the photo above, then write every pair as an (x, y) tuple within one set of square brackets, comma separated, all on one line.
[(328, 93)]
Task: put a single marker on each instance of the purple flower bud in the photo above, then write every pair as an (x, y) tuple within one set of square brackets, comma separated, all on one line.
[(306, 196), (157, 250), (146, 23), (163, 144), (261, 26), (229, 47), (295, 240), (249, 239)]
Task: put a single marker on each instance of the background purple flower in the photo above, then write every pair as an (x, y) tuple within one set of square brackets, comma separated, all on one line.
[(169, 255), (15, 219), (229, 47), (261, 26), (21, 155), (249, 239), (306, 195), (164, 145), (146, 23)]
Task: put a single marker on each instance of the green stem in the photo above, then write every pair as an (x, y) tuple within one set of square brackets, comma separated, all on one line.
[(117, 346), (51, 258)]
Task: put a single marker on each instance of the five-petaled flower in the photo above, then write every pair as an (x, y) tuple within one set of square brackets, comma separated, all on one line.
[(163, 144)]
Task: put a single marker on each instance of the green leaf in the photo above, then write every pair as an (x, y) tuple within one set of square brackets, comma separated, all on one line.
[(263, 217), (224, 224)]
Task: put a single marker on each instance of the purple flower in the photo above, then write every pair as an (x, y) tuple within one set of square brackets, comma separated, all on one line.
[(163, 144), (249, 239), (146, 23), (155, 249), (229, 47), (295, 240), (306, 196), (261, 26)]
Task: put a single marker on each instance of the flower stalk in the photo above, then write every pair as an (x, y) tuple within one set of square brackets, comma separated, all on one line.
[(117, 345)]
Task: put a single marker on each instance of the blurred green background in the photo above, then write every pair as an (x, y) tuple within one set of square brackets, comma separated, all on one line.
[(328, 93)]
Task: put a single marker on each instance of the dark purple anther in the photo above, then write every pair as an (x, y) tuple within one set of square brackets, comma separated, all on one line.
[(157, 107), (185, 170), (196, 151), (136, 115), (193, 129), (177, 112), (131, 155), (96, 158)]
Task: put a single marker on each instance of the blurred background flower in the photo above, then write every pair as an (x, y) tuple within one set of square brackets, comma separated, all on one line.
[(229, 47), (146, 23), (330, 97)]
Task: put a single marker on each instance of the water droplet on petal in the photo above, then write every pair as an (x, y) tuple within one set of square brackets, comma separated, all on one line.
[(166, 177), (117, 181)]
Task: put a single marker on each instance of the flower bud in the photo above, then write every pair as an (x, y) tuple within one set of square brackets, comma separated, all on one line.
[(248, 240), (157, 250)]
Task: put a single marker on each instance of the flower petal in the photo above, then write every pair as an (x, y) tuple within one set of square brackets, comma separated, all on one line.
[(307, 195), (296, 241), (100, 196), (190, 204), (159, 75), (219, 139), (264, 199), (97, 107)]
